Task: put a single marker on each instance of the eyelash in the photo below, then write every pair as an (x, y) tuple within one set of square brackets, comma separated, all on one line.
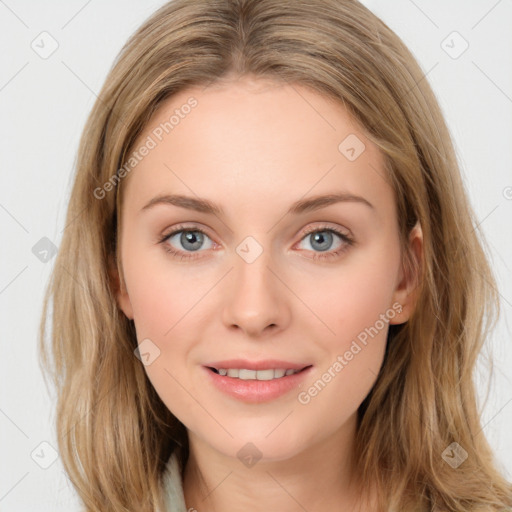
[(318, 256)]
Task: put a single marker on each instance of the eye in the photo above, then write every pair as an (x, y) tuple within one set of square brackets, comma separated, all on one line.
[(321, 239), (191, 239)]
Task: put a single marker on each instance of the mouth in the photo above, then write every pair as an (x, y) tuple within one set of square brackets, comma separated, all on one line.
[(261, 375), (257, 386)]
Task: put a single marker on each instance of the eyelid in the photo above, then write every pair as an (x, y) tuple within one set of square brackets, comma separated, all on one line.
[(183, 227), (327, 226)]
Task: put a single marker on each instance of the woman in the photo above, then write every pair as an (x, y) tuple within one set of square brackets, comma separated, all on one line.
[(318, 349)]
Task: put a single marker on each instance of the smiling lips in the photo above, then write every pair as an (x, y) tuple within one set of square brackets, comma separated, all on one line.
[(256, 381)]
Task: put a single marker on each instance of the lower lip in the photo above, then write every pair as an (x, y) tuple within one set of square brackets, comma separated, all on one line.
[(257, 391)]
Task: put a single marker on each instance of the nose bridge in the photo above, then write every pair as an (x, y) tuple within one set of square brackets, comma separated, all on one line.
[(257, 298), (252, 267)]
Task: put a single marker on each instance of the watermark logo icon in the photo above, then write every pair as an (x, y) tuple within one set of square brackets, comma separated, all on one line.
[(249, 454), (44, 45), (147, 352), (351, 147), (454, 45), (454, 455), (44, 250), (249, 249), (44, 455)]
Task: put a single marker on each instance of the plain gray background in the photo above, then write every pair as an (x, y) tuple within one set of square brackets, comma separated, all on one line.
[(44, 101)]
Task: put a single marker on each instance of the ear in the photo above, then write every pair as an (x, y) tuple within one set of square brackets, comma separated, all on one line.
[(120, 291), (406, 292)]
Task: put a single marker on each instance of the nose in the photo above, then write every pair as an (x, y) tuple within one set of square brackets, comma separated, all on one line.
[(256, 300)]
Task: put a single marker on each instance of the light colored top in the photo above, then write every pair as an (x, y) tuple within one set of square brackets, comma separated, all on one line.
[(173, 486)]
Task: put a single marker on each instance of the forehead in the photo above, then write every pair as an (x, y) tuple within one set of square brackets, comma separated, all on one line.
[(234, 141)]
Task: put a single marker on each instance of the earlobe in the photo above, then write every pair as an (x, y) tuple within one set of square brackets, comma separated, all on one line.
[(406, 292)]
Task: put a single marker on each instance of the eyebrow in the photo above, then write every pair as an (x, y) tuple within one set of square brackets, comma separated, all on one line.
[(202, 205)]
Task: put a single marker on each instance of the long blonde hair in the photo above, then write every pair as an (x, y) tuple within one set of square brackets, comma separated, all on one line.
[(115, 435)]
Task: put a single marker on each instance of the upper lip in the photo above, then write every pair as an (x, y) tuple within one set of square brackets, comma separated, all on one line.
[(267, 364)]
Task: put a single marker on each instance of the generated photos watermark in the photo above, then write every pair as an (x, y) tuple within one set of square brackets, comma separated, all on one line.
[(149, 144), (305, 397)]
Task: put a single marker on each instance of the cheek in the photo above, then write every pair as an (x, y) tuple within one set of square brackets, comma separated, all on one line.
[(162, 293), (354, 308), (352, 298), (167, 308)]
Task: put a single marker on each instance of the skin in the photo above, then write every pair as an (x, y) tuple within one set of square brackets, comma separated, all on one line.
[(255, 147)]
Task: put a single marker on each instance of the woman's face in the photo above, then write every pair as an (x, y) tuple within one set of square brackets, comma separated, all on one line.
[(269, 283)]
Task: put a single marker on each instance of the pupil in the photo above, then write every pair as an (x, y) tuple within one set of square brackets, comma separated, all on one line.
[(191, 238), (323, 240)]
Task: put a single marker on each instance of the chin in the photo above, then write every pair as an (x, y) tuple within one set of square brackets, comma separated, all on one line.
[(260, 445)]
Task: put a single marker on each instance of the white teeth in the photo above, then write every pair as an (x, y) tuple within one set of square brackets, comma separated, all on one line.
[(245, 374), (264, 374)]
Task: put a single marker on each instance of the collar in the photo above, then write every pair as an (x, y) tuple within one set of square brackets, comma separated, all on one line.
[(173, 486)]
